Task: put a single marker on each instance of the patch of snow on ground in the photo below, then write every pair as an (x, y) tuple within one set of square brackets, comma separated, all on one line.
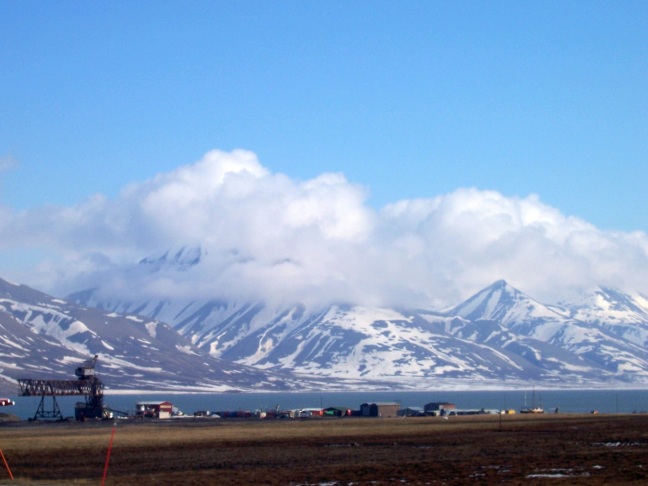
[(492, 303), (185, 349), (151, 327), (13, 344), (366, 316), (546, 331)]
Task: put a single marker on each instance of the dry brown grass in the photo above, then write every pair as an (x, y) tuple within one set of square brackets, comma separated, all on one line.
[(568, 449)]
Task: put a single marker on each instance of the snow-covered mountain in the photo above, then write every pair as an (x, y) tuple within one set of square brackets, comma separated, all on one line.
[(44, 337), (583, 334), (621, 314), (499, 335)]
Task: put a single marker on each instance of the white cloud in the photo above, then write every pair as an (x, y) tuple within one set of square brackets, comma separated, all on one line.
[(267, 236)]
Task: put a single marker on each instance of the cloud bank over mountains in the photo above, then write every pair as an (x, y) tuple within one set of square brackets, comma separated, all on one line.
[(266, 236)]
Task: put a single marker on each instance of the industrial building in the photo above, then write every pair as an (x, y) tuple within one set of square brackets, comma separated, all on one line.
[(411, 412), (384, 409), (161, 410), (439, 408)]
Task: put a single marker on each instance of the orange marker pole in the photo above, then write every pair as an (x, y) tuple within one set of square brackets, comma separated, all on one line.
[(112, 435), (6, 464)]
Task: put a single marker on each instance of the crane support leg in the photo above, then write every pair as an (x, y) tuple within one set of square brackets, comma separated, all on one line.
[(53, 413)]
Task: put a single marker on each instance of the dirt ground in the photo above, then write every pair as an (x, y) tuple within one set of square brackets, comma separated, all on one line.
[(485, 449)]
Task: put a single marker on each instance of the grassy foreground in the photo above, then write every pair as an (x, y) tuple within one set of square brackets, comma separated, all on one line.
[(485, 449)]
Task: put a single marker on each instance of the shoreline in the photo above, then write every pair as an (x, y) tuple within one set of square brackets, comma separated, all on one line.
[(191, 391)]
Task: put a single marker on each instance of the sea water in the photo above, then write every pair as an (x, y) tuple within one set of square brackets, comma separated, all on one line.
[(562, 401)]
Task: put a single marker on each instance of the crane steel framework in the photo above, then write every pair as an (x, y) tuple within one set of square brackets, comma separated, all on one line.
[(86, 384)]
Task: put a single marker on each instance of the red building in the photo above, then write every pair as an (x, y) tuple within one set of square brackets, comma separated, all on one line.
[(161, 410)]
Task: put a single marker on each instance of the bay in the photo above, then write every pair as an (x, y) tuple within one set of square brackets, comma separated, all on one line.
[(566, 401)]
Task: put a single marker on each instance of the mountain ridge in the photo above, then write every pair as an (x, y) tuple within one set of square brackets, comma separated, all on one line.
[(43, 337), (498, 334)]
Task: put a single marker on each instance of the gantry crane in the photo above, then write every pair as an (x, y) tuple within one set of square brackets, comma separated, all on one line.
[(86, 384)]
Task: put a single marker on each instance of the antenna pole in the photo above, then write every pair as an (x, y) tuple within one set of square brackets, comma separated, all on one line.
[(105, 473), (6, 464)]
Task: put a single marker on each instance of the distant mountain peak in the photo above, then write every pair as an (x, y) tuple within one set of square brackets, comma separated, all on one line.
[(487, 301), (610, 306), (617, 300), (182, 258), (505, 304), (499, 284), (505, 288)]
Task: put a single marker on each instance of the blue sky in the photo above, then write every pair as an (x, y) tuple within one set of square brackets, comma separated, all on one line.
[(407, 99), (411, 99)]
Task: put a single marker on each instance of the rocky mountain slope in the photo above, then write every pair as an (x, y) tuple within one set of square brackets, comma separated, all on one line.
[(498, 336), (45, 337)]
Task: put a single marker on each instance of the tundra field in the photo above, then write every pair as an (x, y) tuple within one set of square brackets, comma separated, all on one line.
[(484, 449)]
